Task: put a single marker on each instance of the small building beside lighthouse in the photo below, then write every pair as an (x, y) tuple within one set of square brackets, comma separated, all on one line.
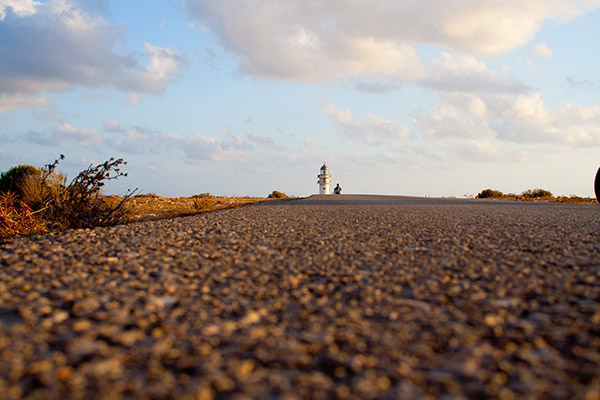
[(324, 179)]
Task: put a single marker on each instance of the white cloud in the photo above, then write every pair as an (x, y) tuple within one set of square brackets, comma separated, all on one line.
[(343, 117), (337, 39), (66, 133), (542, 50), (376, 86), (66, 47), (196, 147), (454, 73), (371, 129), (112, 125), (19, 7), (497, 118), (457, 117), (132, 99), (133, 139), (528, 109), (388, 129), (8, 102), (81, 136), (574, 115), (309, 145), (165, 64), (199, 148), (261, 139)]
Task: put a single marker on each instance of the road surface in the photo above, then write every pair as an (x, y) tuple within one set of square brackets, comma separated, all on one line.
[(324, 297)]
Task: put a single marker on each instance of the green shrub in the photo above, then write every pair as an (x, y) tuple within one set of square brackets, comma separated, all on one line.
[(489, 194), (15, 178), (277, 195), (536, 194)]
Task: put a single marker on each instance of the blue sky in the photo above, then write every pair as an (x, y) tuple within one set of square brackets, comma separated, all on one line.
[(243, 97)]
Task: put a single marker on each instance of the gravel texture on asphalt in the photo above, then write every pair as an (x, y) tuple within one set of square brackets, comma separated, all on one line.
[(325, 297)]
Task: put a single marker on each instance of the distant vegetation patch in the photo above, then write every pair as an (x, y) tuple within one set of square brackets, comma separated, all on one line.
[(533, 195), (490, 194), (537, 194), (278, 195)]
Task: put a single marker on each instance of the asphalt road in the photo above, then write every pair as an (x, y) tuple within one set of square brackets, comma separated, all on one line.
[(325, 297)]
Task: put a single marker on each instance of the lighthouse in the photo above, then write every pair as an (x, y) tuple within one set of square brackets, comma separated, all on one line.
[(324, 180)]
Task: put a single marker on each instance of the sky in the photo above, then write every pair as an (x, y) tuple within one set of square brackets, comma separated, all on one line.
[(243, 97)]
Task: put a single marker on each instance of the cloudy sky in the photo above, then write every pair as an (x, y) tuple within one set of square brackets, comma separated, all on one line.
[(243, 97)]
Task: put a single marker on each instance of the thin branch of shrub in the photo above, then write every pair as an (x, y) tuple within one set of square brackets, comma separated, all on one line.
[(81, 204)]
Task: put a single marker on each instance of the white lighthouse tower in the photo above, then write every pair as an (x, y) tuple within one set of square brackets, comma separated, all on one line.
[(324, 180)]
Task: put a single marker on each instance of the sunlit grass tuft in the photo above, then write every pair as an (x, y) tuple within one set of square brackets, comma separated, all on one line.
[(16, 218)]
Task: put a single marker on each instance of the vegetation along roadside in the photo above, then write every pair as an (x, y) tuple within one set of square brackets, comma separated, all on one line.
[(37, 200)]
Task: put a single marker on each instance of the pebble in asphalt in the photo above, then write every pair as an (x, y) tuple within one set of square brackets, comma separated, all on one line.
[(325, 297)]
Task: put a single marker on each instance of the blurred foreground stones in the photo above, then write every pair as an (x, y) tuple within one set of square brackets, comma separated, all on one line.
[(344, 298)]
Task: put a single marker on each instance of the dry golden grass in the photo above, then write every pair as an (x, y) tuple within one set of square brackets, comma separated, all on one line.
[(16, 218), (149, 207), (575, 199), (556, 199)]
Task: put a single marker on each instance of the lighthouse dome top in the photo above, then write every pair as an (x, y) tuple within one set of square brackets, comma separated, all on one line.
[(324, 169)]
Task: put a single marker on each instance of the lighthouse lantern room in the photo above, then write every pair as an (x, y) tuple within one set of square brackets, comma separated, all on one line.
[(324, 179)]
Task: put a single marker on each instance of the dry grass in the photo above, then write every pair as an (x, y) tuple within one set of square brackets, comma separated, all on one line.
[(16, 218), (575, 199), (148, 207), (552, 199)]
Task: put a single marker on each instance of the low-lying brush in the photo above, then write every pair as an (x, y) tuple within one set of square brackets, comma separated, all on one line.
[(275, 194), (533, 195), (490, 194), (34, 200), (45, 193), (81, 204)]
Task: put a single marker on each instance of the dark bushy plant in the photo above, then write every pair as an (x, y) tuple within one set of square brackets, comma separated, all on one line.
[(489, 194), (536, 193), (14, 179), (278, 195)]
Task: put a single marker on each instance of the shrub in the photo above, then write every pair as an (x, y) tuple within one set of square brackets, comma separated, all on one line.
[(277, 195), (13, 179), (489, 194), (536, 194), (203, 196), (80, 204)]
